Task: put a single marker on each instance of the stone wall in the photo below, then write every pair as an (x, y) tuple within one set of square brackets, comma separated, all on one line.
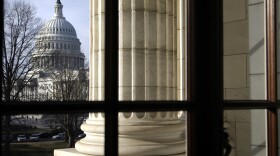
[(244, 73)]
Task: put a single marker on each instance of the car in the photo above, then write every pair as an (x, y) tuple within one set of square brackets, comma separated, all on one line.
[(34, 137), (59, 136), (44, 135), (21, 138)]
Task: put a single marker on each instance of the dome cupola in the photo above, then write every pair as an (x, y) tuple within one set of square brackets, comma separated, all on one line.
[(58, 10), (58, 24)]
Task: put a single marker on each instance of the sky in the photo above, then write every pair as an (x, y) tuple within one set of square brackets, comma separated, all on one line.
[(75, 11)]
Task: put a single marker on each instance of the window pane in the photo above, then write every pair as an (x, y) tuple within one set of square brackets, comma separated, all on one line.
[(152, 133), (244, 50), (246, 131), (152, 50), (51, 57), (40, 134)]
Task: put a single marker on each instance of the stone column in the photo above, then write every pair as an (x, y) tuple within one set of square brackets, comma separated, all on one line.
[(174, 60), (147, 64), (97, 27), (169, 50), (150, 40), (125, 44), (161, 49), (181, 50)]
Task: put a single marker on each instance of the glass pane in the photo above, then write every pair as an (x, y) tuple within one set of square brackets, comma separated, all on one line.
[(51, 59), (245, 132), (244, 50), (152, 133), (152, 50), (41, 134)]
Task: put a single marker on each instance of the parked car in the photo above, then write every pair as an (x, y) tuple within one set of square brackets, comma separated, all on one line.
[(34, 137), (44, 135), (21, 138), (80, 136), (59, 136)]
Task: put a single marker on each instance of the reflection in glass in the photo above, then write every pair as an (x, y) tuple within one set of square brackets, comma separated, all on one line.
[(244, 52), (152, 133), (247, 132)]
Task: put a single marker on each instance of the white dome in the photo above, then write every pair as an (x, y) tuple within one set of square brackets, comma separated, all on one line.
[(58, 26), (58, 44)]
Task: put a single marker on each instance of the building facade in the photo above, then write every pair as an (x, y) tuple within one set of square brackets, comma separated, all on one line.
[(58, 62)]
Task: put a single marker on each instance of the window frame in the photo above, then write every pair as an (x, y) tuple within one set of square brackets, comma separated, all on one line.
[(205, 27)]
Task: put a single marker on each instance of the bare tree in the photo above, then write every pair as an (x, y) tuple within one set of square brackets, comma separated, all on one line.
[(20, 29), (67, 84), (71, 124), (71, 85)]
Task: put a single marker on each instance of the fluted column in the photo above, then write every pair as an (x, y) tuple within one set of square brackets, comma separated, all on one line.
[(181, 52), (138, 50), (174, 59), (161, 49), (125, 51), (150, 50), (97, 50), (93, 143), (147, 71), (169, 49)]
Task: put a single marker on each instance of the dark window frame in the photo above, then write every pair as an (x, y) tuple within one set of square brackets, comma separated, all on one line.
[(205, 27)]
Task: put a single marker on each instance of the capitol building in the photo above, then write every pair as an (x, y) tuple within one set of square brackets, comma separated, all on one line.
[(56, 58)]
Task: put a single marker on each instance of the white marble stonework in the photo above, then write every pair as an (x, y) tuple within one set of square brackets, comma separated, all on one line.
[(151, 67)]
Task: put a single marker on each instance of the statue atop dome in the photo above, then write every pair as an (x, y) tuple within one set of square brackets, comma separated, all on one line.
[(58, 2)]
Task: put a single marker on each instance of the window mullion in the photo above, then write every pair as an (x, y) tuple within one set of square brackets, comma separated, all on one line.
[(205, 42), (272, 139), (111, 77)]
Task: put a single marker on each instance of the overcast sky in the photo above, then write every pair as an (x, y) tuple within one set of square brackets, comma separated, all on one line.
[(75, 11)]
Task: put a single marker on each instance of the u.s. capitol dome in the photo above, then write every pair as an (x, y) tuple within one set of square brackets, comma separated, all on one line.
[(57, 45)]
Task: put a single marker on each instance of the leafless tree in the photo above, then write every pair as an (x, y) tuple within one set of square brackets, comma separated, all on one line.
[(71, 124), (20, 29), (68, 84), (71, 85)]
